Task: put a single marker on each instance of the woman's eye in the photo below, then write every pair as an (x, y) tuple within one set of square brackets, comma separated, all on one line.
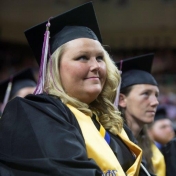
[(157, 95), (100, 58), (82, 58), (146, 93)]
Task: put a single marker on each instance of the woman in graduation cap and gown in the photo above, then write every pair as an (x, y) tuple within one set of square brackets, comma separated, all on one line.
[(70, 126), (138, 101)]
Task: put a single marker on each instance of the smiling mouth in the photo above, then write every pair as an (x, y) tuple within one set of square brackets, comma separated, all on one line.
[(93, 78)]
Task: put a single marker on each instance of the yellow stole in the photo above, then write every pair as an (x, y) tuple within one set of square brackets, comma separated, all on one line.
[(158, 161), (98, 149)]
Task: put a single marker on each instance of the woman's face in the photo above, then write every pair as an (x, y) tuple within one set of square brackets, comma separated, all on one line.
[(141, 103), (83, 69), (162, 131)]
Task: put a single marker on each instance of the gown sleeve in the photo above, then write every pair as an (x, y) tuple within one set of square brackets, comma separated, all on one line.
[(40, 136), (169, 152)]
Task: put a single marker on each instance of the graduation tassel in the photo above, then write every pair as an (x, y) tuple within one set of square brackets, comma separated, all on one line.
[(7, 94), (116, 102), (44, 57)]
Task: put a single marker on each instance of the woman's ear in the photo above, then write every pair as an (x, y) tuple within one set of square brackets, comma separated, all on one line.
[(122, 100)]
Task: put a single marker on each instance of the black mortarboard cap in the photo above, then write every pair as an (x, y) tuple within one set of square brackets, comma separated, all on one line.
[(24, 78), (136, 70), (79, 22), (160, 114)]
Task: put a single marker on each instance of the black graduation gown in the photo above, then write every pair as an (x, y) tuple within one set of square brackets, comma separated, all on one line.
[(40, 136), (169, 152)]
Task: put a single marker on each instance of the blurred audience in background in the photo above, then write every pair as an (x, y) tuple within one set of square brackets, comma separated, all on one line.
[(19, 84), (161, 130)]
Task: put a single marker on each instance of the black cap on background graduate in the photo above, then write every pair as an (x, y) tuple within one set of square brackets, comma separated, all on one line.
[(79, 22), (161, 113), (13, 84), (136, 70)]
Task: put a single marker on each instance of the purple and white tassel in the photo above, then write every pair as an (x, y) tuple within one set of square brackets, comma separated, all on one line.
[(7, 94), (116, 102), (44, 58)]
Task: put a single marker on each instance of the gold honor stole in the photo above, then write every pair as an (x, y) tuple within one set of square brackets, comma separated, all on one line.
[(99, 150), (158, 161)]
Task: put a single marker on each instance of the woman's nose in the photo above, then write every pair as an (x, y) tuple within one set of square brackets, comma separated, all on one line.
[(155, 101), (94, 64)]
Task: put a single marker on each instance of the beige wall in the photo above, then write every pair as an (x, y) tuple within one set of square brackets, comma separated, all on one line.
[(141, 23)]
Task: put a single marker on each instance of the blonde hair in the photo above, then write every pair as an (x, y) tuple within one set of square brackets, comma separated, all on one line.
[(103, 106)]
